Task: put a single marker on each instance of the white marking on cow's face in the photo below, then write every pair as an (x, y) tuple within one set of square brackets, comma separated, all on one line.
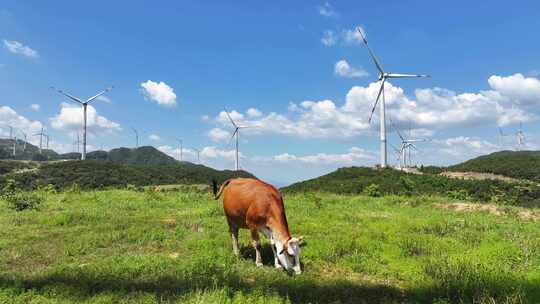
[(290, 258)]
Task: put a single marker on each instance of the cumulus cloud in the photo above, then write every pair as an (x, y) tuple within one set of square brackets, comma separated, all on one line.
[(428, 110), (329, 38), (352, 36), (70, 118), (326, 10), (217, 134), (16, 47), (154, 137), (351, 157), (343, 69), (9, 117), (35, 107), (253, 113), (520, 89), (159, 92)]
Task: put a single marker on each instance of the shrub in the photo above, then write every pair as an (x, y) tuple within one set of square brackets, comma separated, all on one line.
[(24, 201), (372, 190)]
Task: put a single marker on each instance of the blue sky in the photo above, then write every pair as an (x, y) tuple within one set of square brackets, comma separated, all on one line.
[(298, 66)]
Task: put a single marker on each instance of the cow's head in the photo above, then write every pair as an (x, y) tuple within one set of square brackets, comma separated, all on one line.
[(289, 254)]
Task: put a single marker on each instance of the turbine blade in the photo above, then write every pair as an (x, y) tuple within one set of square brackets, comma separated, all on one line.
[(99, 94), (232, 121), (376, 101), (234, 133), (373, 57), (397, 130), (68, 95), (396, 75)]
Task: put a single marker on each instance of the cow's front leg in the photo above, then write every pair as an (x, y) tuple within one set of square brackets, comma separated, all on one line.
[(277, 264), (257, 245)]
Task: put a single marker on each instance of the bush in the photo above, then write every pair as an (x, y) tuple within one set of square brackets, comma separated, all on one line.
[(19, 200), (372, 190)]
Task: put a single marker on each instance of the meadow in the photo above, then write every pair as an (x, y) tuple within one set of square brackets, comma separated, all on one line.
[(123, 246)]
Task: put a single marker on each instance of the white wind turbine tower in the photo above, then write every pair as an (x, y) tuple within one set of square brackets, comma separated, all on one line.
[(84, 105), (180, 149), (383, 76), (236, 133), (520, 136), (25, 140), (136, 137), (41, 135), (198, 155)]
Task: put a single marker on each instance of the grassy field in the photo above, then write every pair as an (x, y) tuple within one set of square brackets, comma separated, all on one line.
[(124, 246)]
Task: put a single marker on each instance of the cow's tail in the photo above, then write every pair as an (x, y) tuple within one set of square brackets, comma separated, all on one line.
[(217, 193)]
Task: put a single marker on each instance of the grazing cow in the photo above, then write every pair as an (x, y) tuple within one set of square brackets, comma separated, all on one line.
[(258, 206)]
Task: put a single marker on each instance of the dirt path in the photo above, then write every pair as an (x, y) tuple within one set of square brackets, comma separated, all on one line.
[(524, 214)]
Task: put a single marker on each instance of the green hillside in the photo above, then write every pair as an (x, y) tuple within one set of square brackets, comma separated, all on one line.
[(30, 152), (356, 180), (516, 164), (146, 155), (93, 174)]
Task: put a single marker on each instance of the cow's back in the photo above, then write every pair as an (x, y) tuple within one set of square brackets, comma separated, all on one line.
[(243, 195)]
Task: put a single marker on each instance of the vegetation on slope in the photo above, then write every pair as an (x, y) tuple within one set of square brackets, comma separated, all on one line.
[(516, 164), (103, 174), (122, 246), (355, 180), (146, 155)]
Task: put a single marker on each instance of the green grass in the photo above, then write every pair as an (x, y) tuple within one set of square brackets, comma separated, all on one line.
[(124, 246)]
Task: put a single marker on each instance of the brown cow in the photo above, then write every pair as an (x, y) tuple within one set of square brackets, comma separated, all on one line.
[(258, 206)]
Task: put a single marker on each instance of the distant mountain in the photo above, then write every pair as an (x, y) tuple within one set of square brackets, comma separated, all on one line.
[(22, 152), (515, 164), (146, 155)]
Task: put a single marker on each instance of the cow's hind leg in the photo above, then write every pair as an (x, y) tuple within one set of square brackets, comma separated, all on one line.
[(234, 238), (257, 245)]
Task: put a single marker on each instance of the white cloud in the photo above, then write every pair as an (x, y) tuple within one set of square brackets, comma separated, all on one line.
[(205, 118), (9, 117), (343, 69), (217, 134), (352, 36), (154, 137), (159, 92), (329, 38), (70, 118), (104, 99), (352, 157), (214, 152), (520, 89), (16, 47), (326, 10), (430, 110), (253, 113), (35, 107)]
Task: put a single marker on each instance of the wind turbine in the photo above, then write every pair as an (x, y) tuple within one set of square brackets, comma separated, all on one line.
[(501, 137), (10, 132), (383, 76), (136, 137), (15, 146), (41, 134), (235, 133), (198, 155), (84, 105), (25, 140), (47, 142), (520, 136), (405, 148), (180, 149)]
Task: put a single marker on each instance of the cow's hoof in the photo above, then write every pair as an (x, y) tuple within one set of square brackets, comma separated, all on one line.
[(278, 266), (259, 264)]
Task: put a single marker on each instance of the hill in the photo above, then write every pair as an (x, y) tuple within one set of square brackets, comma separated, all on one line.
[(356, 180), (515, 164), (92, 174), (30, 152), (146, 155)]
